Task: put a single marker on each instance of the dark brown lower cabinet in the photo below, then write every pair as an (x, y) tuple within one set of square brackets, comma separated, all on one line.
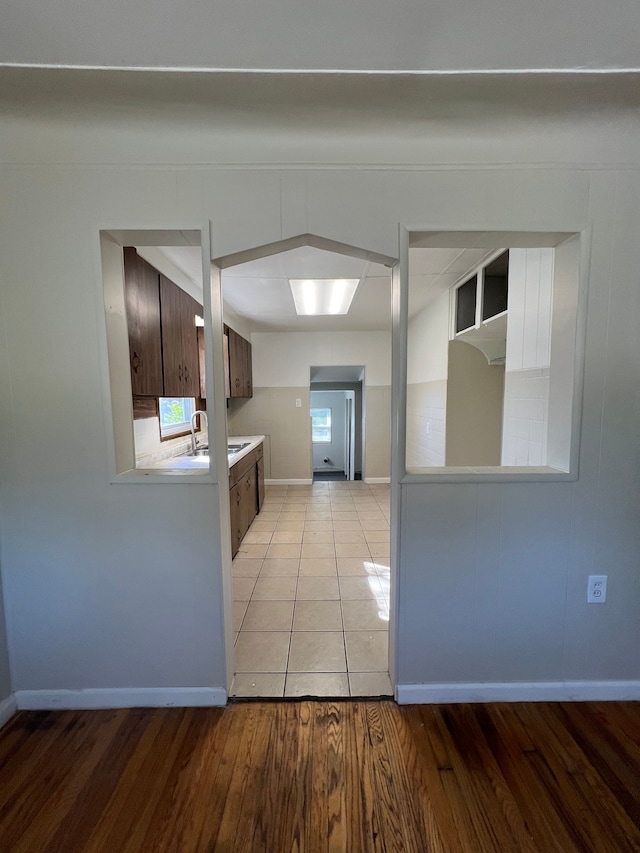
[(246, 494), (238, 518), (260, 468)]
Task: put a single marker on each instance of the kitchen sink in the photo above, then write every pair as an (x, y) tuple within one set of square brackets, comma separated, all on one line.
[(199, 451), (236, 448)]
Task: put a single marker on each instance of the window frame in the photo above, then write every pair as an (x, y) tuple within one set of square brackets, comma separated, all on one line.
[(327, 426), (179, 429)]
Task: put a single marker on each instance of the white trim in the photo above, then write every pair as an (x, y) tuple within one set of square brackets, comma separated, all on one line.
[(121, 697), (8, 708), (377, 479), (369, 72), (302, 482), (520, 691)]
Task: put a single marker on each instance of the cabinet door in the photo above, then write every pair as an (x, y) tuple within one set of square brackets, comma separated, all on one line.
[(179, 341), (240, 366), (260, 475), (238, 517), (201, 363), (236, 365), (189, 308), (227, 380), (250, 496), (142, 297), (171, 338), (247, 368)]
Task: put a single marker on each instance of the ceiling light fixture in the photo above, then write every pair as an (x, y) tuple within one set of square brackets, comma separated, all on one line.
[(314, 296)]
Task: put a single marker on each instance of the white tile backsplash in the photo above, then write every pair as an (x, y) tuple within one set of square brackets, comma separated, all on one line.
[(148, 447), (526, 406), (426, 424)]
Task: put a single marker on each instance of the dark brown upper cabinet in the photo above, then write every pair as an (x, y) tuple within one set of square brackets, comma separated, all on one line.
[(247, 368), (240, 365), (227, 378), (163, 337), (179, 341), (142, 299), (201, 362)]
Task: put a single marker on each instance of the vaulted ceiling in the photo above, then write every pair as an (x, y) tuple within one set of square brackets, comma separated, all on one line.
[(259, 291)]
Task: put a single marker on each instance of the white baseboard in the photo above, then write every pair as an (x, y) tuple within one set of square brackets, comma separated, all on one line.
[(377, 480), (306, 482), (8, 708), (121, 697), (535, 691)]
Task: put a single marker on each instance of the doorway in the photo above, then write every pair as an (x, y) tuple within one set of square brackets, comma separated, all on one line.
[(311, 578), (337, 419)]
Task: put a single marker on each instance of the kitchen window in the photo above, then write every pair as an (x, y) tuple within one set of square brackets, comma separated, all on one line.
[(321, 426), (175, 415)]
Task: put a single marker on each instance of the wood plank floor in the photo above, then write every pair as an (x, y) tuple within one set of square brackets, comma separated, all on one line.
[(324, 776)]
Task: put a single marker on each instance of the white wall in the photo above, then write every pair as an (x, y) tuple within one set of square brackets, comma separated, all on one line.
[(119, 586), (312, 34), (427, 369), (5, 673), (283, 359), (475, 391), (7, 433), (281, 376), (528, 357)]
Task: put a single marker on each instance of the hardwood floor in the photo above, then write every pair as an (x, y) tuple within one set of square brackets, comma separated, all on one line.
[(324, 776)]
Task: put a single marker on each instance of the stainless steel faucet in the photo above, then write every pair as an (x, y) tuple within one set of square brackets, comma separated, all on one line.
[(194, 440)]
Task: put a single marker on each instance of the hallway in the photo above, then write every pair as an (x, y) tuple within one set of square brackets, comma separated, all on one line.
[(311, 593)]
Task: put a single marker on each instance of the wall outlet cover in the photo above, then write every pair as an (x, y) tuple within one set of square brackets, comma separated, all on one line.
[(597, 589)]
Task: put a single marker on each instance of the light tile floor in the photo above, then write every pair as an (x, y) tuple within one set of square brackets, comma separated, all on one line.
[(311, 593)]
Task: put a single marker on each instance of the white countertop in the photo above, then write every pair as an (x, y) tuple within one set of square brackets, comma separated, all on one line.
[(253, 442), (186, 463)]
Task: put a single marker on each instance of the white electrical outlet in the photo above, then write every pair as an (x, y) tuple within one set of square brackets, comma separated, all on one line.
[(298, 403), (597, 589), (428, 427)]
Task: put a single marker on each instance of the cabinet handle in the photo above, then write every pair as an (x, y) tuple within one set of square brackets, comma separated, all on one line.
[(180, 372), (136, 362), (186, 374)]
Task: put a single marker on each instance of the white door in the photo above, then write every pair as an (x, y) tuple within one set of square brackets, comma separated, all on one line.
[(350, 435)]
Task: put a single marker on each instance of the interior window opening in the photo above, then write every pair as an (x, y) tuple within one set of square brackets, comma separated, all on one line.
[(154, 298), (492, 359)]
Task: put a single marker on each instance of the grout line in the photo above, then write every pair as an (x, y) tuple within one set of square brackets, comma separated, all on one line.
[(284, 507)]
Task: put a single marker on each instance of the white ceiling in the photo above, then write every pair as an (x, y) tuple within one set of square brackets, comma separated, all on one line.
[(311, 34), (337, 373), (259, 290), (432, 271)]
